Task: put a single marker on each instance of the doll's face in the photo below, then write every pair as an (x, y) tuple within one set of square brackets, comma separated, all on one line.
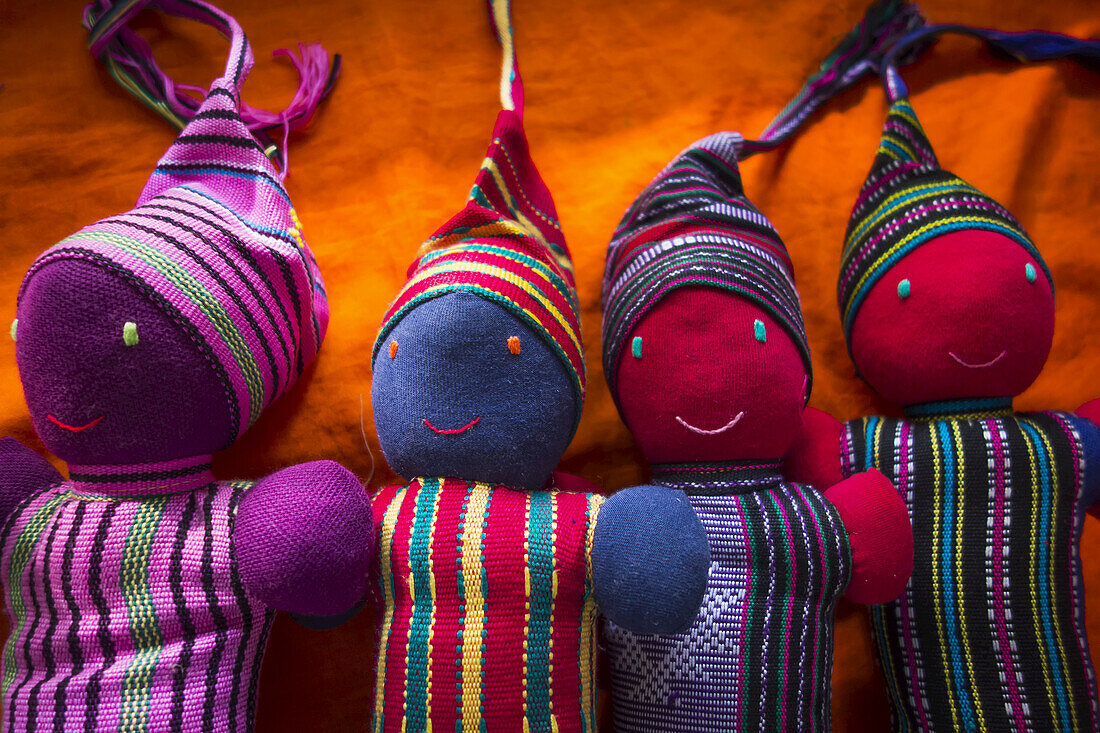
[(970, 314), (462, 388), (108, 377), (710, 376)]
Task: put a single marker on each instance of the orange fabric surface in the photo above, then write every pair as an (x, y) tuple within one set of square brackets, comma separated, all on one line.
[(614, 90)]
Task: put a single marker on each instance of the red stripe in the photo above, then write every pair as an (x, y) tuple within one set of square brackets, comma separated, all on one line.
[(569, 556), (397, 652), (445, 661), (504, 563)]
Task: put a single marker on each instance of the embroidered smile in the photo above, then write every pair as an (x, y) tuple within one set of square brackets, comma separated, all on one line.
[(701, 431), (456, 431), (968, 365), (73, 428)]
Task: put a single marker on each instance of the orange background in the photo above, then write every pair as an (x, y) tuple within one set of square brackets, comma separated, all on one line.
[(614, 90)]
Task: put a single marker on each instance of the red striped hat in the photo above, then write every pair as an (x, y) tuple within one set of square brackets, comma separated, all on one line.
[(506, 245)]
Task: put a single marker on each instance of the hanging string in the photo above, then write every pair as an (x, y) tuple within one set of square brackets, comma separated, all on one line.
[(859, 53), (1024, 46), (129, 59), (511, 85)]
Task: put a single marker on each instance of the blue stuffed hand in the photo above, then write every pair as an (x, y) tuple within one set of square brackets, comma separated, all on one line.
[(650, 560)]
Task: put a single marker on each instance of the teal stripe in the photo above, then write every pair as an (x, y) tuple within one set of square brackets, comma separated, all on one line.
[(540, 566), (1046, 500), (948, 575), (416, 669), (142, 614)]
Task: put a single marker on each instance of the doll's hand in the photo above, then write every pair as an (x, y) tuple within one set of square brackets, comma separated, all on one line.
[(880, 535), (650, 560), (22, 473), (814, 457), (304, 540)]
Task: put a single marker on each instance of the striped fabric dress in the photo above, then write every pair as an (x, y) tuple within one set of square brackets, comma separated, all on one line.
[(990, 633), (485, 587), (125, 608), (759, 656)]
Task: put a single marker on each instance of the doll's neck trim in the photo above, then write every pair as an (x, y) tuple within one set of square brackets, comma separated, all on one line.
[(141, 479), (971, 408), (718, 479)]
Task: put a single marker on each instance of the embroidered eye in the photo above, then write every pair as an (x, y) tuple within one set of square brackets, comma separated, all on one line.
[(903, 289), (759, 332), (636, 347), (129, 333), (513, 344), (1029, 272), (393, 349), (14, 325)]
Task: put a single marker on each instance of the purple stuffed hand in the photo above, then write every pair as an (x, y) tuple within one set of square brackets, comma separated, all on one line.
[(22, 473), (305, 539)]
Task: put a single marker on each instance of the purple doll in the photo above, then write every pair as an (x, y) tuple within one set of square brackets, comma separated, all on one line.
[(141, 590)]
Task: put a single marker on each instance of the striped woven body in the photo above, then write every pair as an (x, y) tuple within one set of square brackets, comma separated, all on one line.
[(489, 621), (125, 608), (759, 656), (989, 635)]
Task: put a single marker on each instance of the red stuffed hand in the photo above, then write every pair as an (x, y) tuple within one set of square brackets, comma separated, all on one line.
[(814, 457), (880, 534)]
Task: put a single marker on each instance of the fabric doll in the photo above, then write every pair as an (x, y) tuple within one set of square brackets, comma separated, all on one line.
[(491, 577), (948, 311), (706, 356), (140, 591)]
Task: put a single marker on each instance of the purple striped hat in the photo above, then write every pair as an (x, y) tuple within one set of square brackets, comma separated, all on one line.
[(215, 242)]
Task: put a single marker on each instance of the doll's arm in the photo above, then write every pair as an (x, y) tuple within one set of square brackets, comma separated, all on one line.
[(650, 560), (22, 473), (879, 533), (304, 540), (814, 457), (1089, 429)]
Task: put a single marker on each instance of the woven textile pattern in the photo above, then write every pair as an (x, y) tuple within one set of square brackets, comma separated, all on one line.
[(485, 588), (908, 200), (759, 656), (216, 243), (693, 225), (989, 635), (126, 609)]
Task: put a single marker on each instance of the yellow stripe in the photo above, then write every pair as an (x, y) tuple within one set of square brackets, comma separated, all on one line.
[(473, 535), (1055, 491), (482, 268), (905, 111), (527, 596), (913, 235), (892, 204), (389, 522), (431, 618), (960, 482), (1033, 571), (499, 228), (490, 165), (937, 591), (588, 621)]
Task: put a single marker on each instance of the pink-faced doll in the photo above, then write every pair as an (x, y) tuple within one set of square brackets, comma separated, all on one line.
[(706, 356), (140, 590), (948, 311)]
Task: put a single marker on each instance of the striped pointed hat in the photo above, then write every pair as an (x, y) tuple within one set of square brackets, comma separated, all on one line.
[(506, 245), (908, 199), (214, 240), (693, 225)]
